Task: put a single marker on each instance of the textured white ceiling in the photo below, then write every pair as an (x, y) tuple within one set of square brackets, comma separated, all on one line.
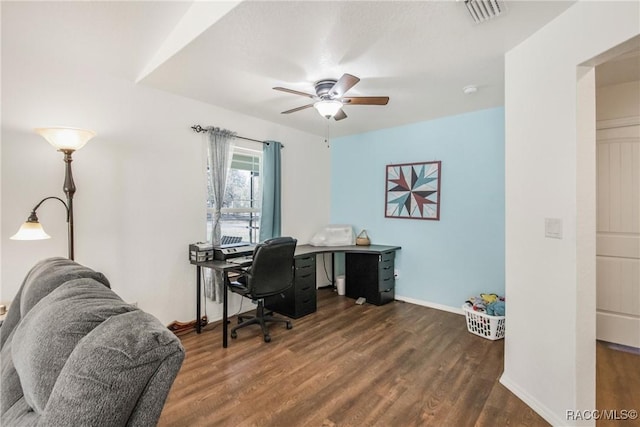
[(419, 53), (116, 37)]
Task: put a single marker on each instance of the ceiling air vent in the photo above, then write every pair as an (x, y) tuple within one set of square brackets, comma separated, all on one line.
[(483, 10)]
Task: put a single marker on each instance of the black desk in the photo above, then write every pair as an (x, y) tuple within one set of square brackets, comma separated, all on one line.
[(369, 272), (225, 268), (353, 249)]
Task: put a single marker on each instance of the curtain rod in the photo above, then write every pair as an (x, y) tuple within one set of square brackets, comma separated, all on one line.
[(200, 129)]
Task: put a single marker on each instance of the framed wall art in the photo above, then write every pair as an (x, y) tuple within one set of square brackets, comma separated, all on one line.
[(413, 191)]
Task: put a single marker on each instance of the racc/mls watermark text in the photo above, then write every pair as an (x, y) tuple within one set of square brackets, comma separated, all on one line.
[(602, 414)]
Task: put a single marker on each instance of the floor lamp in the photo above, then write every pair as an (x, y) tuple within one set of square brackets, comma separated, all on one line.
[(66, 140)]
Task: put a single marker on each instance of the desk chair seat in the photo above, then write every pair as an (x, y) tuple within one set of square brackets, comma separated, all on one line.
[(271, 273)]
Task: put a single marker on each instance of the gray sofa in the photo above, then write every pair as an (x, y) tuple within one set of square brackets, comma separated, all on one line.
[(74, 354)]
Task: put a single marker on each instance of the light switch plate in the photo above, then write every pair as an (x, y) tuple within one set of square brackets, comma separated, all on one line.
[(553, 228)]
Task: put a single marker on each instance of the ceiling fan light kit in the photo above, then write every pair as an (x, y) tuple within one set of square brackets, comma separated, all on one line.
[(328, 108), (329, 98)]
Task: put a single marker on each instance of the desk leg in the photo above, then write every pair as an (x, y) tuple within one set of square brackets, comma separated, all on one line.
[(333, 270), (225, 315), (198, 293)]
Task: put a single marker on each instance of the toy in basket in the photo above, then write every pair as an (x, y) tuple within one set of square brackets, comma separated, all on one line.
[(479, 322)]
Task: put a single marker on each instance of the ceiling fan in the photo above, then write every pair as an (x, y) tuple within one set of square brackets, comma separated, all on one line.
[(329, 97)]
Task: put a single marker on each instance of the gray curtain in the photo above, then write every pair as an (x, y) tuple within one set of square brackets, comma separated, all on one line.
[(219, 153), (270, 216)]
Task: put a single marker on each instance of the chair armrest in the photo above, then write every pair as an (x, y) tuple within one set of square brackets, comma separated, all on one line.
[(241, 277), (238, 288)]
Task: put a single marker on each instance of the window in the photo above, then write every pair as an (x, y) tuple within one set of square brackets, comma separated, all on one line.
[(241, 206)]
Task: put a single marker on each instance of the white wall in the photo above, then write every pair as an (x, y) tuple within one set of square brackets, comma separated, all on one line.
[(2, 301), (140, 183), (618, 101), (550, 157)]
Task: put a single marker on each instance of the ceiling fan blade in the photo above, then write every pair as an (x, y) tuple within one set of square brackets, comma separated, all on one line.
[(346, 82), (295, 92), (293, 110), (340, 115), (366, 100)]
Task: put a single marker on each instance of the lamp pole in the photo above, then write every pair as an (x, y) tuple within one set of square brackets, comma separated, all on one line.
[(69, 189)]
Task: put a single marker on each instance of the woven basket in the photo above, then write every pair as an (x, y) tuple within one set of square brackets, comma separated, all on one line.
[(363, 239)]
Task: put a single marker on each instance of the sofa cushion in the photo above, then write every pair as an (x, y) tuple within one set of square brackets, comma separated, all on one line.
[(10, 381), (120, 360), (20, 414), (45, 276), (50, 331)]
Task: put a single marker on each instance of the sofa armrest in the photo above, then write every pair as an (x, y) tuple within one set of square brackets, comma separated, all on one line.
[(125, 365)]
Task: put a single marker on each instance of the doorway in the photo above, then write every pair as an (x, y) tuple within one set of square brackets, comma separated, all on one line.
[(618, 200), (618, 233)]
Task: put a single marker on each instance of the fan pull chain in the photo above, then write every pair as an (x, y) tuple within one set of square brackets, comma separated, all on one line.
[(327, 139)]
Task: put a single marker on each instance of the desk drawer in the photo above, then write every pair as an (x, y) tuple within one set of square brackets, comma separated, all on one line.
[(387, 259), (307, 272), (306, 287), (305, 261), (383, 297), (292, 306), (386, 269), (386, 283), (302, 278), (304, 306)]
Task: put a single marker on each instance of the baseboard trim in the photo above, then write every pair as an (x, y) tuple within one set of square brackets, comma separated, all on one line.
[(429, 304), (533, 403), (618, 328)]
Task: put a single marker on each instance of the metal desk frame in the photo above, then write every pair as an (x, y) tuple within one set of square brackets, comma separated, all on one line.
[(226, 267)]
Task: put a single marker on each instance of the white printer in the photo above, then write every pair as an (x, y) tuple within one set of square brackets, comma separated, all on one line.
[(334, 235)]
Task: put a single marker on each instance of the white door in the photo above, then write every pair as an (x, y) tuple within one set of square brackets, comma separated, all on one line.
[(618, 235)]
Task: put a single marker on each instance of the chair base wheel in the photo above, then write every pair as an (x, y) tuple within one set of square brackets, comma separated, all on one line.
[(267, 338), (289, 325), (234, 335)]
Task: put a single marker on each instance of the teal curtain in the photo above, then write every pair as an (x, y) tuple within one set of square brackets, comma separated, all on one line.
[(271, 214)]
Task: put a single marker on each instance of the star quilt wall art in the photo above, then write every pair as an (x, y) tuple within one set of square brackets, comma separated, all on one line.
[(413, 191)]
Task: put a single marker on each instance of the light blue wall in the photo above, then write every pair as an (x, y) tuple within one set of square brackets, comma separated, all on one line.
[(442, 262)]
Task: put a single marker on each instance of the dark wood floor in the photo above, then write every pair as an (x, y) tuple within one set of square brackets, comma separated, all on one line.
[(347, 365), (618, 384)]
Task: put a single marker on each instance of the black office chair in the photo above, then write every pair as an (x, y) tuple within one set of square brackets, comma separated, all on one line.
[(270, 273)]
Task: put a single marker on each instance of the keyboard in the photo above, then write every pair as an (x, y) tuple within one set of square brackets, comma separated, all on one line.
[(241, 260)]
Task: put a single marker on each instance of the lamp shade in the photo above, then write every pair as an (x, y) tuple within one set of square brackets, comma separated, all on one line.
[(30, 231), (328, 108), (63, 138)]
